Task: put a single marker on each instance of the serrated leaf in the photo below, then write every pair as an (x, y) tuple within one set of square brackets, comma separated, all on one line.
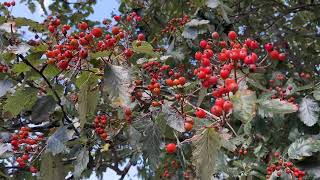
[(117, 80), (5, 86), (173, 118), (42, 108), (309, 111), (88, 98), (201, 96), (212, 3), (21, 100), (81, 162), (20, 68), (21, 21), (99, 54), (260, 151), (194, 27), (207, 144), (3, 149), (244, 105), (272, 107), (151, 145), (51, 71), (303, 148), (134, 136), (56, 142), (197, 22), (145, 48), (19, 49)]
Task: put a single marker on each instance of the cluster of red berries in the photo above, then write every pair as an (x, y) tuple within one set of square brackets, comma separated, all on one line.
[(200, 113), (174, 166), (72, 48), (281, 92), (3, 68), (243, 151), (220, 106), (178, 81), (287, 167), (174, 23), (273, 53), (9, 4), (129, 18), (100, 123), (25, 142)]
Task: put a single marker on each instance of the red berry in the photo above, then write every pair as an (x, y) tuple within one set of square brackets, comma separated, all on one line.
[(224, 73), (274, 54), (188, 126), (182, 81), (227, 106), (268, 47), (198, 56), (203, 44), (171, 148), (232, 35), (115, 30), (140, 37), (282, 57), (215, 35), (96, 32), (33, 169), (219, 102), (83, 26), (63, 64), (117, 18), (216, 110), (51, 29), (200, 113)]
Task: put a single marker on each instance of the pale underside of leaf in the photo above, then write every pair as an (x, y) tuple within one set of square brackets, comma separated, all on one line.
[(244, 105), (173, 118), (272, 107), (309, 111), (303, 148)]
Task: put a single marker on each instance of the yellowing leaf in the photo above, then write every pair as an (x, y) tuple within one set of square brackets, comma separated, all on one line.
[(207, 144), (244, 105), (105, 148)]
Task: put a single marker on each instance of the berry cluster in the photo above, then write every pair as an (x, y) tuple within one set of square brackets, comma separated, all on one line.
[(279, 166), (9, 4), (128, 115), (24, 141), (174, 166), (175, 23), (100, 123), (221, 105), (72, 48), (129, 18)]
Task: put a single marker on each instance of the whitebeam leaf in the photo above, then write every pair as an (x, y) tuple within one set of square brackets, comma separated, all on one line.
[(272, 107), (151, 145), (244, 105), (55, 143), (20, 48), (117, 81), (81, 162), (309, 111), (207, 145), (212, 3), (173, 118), (303, 148)]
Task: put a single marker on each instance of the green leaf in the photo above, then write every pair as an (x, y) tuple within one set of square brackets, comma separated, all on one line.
[(303, 147), (117, 81), (207, 144), (144, 48), (173, 118), (51, 71), (21, 100), (195, 27), (88, 98), (99, 54), (272, 107), (81, 162), (260, 151), (20, 68), (151, 145), (20, 21), (244, 105), (309, 111)]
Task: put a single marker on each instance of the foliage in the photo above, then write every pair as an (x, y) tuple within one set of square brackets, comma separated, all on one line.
[(152, 90)]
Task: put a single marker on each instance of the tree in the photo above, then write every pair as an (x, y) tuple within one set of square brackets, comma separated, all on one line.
[(177, 89)]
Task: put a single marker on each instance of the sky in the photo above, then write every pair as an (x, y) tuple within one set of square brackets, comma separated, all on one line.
[(102, 9)]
